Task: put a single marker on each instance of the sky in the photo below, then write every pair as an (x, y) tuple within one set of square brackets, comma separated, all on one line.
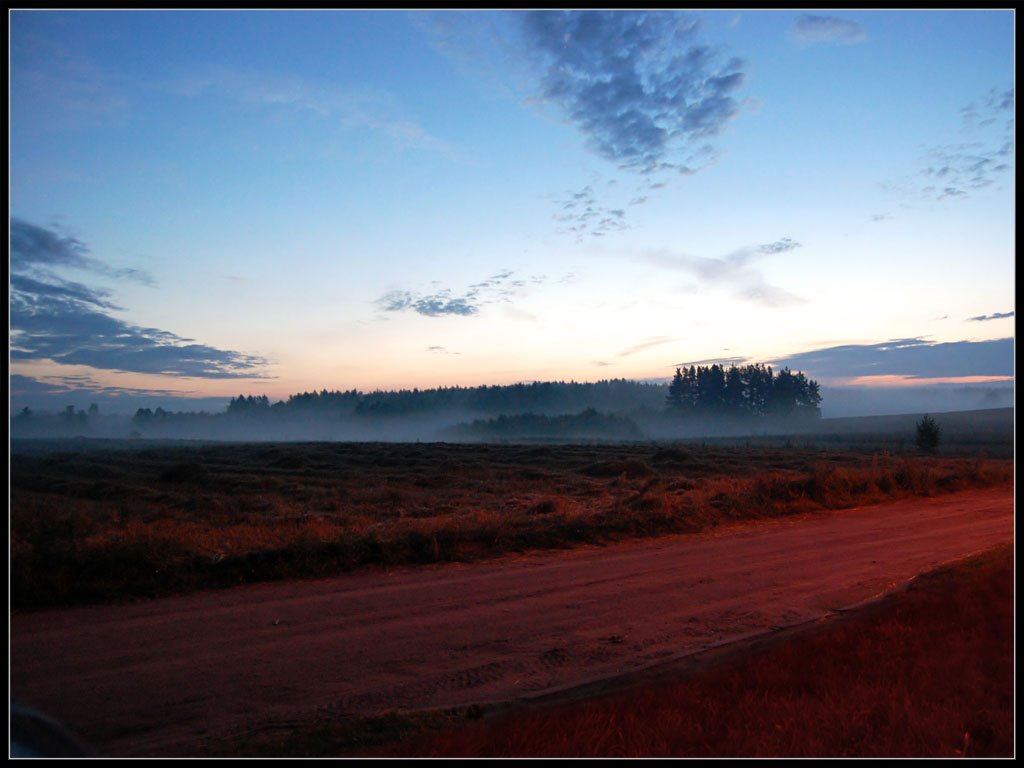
[(208, 203)]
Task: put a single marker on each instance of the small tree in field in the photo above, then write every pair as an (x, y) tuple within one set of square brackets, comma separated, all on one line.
[(928, 434)]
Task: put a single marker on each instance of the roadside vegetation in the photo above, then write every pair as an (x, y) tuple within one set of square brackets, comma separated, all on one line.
[(115, 522)]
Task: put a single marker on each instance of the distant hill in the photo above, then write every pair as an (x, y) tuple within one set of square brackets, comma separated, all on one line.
[(956, 425), (990, 430)]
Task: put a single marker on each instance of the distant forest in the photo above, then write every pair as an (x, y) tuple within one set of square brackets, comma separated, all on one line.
[(615, 408)]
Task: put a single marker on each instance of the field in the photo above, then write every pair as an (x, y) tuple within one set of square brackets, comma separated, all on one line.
[(112, 522), (97, 521)]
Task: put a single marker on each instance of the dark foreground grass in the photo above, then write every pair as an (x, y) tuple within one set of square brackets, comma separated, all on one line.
[(926, 672), (93, 524)]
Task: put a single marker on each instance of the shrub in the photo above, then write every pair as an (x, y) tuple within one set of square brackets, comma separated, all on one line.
[(928, 434)]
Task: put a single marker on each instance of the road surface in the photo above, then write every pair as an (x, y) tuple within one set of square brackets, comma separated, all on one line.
[(163, 676)]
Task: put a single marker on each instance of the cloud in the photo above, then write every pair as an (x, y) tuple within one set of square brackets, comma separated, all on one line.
[(57, 392), (989, 109), (28, 289), (435, 306), (498, 288), (432, 306), (69, 323), (53, 88), (723, 361), (653, 342), (809, 29), (78, 384), (995, 316), (35, 248), (581, 214), (913, 357), (734, 271), (779, 246), (957, 169), (369, 109), (961, 169), (637, 85), (579, 211)]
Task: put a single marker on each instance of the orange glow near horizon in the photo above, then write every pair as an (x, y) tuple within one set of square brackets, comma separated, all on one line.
[(914, 381)]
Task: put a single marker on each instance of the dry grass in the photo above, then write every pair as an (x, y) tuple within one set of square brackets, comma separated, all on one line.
[(925, 673), (108, 524)]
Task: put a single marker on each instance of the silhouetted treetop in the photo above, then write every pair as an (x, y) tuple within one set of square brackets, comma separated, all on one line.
[(750, 390)]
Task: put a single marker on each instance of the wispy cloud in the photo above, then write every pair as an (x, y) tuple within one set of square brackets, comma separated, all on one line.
[(55, 88), (498, 288), (582, 214), (639, 86), (961, 169), (372, 110), (955, 170), (733, 271), (69, 323), (809, 29), (652, 342), (994, 316), (996, 105), (779, 246), (723, 361)]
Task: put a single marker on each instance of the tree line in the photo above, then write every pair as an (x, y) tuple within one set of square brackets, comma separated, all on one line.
[(747, 391), (696, 394), (542, 397)]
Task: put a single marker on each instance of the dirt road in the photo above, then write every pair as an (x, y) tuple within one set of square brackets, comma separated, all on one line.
[(158, 677)]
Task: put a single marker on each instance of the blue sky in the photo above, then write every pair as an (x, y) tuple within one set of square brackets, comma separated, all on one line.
[(208, 203)]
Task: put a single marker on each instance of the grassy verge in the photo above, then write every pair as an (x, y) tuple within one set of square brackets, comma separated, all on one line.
[(927, 672), (101, 526)]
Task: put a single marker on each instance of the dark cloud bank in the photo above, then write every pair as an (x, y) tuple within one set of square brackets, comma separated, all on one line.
[(915, 358), (70, 323), (81, 392)]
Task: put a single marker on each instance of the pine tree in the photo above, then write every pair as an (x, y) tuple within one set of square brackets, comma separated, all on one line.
[(928, 434), (676, 397)]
